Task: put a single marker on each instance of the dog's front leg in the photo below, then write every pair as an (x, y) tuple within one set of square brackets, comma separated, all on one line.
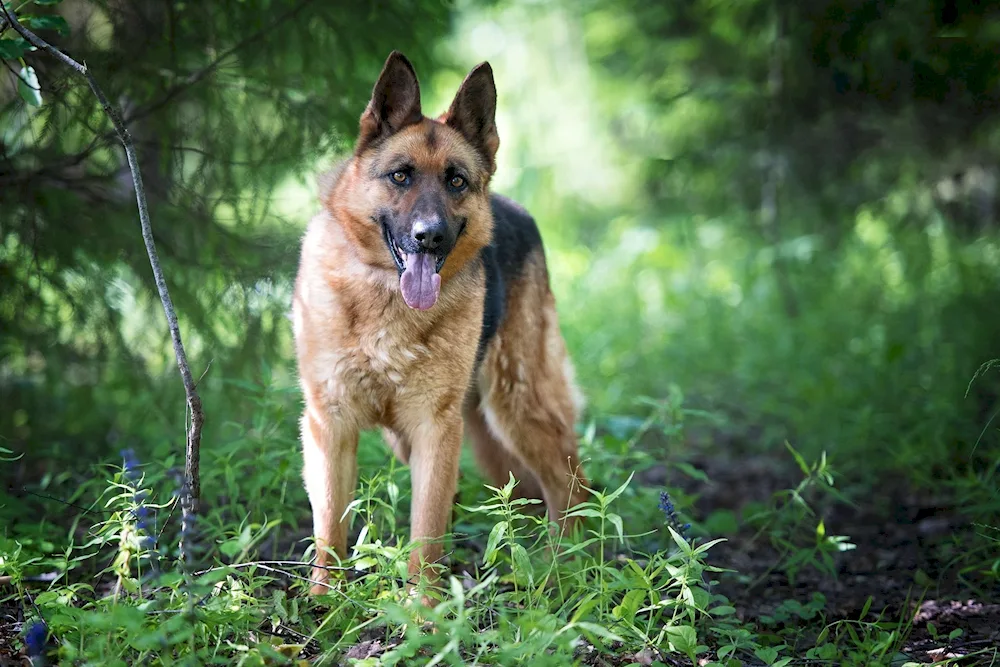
[(330, 470), (434, 473)]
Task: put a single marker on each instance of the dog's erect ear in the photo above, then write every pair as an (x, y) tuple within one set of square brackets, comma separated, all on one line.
[(473, 112), (395, 101)]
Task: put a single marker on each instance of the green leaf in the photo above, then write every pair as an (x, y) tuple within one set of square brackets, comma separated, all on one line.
[(721, 522), (798, 459), (583, 608), (28, 86), (703, 547), (56, 23), (508, 488), (617, 521), (723, 611), (522, 564), (920, 578), (230, 547), (867, 607), (366, 563), (683, 637), (362, 536), (600, 631), (12, 49), (679, 541), (491, 544), (691, 471), (766, 654), (457, 591), (44, 3), (630, 604), (621, 489)]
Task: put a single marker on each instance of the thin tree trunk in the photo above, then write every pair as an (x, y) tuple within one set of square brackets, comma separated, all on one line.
[(196, 414)]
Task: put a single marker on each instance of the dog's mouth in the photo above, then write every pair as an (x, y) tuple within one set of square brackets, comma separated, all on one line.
[(419, 273), (399, 255)]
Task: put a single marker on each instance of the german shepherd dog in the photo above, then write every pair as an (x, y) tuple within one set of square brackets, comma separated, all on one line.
[(422, 306)]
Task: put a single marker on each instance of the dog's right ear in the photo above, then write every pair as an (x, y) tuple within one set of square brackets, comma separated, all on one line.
[(395, 102)]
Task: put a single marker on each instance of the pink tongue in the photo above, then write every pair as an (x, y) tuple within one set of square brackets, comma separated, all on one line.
[(420, 283)]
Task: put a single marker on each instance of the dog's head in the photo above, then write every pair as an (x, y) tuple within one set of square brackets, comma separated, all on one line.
[(421, 184)]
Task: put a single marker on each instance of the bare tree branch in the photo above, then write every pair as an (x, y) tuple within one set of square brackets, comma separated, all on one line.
[(181, 87), (192, 454)]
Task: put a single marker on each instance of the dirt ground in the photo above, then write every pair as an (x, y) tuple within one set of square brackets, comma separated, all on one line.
[(904, 542)]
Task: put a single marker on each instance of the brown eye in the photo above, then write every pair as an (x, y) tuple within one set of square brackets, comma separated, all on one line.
[(457, 182), (399, 177)]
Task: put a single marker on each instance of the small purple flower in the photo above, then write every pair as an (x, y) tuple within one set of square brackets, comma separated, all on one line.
[(670, 512), (130, 465), (145, 519), (34, 639), (141, 515)]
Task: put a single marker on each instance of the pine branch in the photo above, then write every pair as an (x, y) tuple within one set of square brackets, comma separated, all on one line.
[(193, 451)]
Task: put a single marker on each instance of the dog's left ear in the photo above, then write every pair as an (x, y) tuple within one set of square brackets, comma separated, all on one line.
[(473, 112), (395, 102)]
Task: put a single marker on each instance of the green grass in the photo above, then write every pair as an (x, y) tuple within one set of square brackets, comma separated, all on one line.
[(236, 593)]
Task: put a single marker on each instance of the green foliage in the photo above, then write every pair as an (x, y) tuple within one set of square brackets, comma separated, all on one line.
[(765, 224), (794, 528), (534, 599)]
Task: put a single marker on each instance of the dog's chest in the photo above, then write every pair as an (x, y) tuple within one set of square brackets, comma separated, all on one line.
[(383, 355), (365, 372)]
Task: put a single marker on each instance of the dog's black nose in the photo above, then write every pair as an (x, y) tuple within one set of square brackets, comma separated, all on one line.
[(429, 233)]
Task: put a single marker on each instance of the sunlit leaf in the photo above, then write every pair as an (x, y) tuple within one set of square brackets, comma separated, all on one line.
[(683, 637), (28, 86)]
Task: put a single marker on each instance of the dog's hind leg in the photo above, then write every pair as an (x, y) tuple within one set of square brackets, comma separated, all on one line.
[(531, 402), (494, 459)]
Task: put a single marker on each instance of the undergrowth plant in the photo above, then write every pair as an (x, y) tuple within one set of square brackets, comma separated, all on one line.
[(795, 528), (131, 583), (532, 596)]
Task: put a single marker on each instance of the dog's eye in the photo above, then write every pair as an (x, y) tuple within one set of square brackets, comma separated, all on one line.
[(400, 177), (457, 182)]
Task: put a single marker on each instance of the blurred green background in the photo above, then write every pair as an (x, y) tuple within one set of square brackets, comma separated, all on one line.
[(786, 211)]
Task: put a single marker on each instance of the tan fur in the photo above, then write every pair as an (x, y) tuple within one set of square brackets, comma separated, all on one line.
[(527, 397), (366, 360)]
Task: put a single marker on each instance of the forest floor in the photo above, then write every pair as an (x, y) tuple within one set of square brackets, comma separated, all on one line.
[(902, 573), (901, 567)]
